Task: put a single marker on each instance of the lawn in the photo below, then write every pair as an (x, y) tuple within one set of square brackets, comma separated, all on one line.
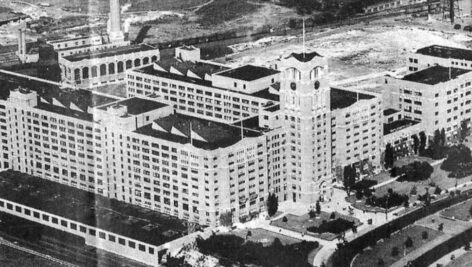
[(265, 237), (302, 223), (462, 261), (383, 249), (459, 212)]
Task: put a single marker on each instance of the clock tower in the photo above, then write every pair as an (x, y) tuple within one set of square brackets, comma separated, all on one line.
[(305, 103)]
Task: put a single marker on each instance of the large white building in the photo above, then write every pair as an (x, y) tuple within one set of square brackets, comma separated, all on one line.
[(439, 97), (440, 55)]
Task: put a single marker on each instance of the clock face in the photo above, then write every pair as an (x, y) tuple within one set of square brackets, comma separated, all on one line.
[(317, 85), (293, 86)]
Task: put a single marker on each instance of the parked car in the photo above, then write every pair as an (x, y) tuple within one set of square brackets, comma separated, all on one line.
[(457, 27), (468, 28)]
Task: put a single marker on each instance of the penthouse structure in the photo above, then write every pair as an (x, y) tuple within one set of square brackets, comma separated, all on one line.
[(437, 96), (440, 55), (105, 65)]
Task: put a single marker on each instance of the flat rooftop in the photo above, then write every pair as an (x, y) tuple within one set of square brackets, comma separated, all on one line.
[(390, 111), (108, 214), (446, 52), (217, 135), (137, 105), (435, 75), (341, 98), (48, 94), (116, 51), (248, 73), (398, 125), (149, 70), (201, 69)]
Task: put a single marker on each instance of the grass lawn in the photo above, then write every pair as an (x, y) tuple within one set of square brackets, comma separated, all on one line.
[(439, 177), (459, 212), (462, 261), (383, 250), (302, 223), (265, 237)]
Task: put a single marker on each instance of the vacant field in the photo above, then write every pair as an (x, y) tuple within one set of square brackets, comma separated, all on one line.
[(459, 212), (219, 11), (10, 257), (383, 249)]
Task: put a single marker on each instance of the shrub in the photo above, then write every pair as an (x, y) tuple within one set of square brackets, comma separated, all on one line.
[(363, 184), (312, 214), (467, 245), (395, 251), (387, 201), (272, 204), (413, 191), (458, 161), (424, 235), (437, 190), (284, 219), (332, 216), (408, 242), (226, 219), (249, 233)]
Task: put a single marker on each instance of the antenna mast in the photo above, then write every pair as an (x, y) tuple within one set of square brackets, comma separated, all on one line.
[(304, 49)]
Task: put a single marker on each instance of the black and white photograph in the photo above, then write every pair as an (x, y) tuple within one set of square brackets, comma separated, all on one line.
[(231, 133)]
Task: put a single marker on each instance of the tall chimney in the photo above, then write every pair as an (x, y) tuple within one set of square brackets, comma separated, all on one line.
[(115, 33), (22, 44)]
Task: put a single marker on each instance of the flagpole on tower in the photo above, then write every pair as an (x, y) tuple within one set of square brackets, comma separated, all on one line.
[(304, 49)]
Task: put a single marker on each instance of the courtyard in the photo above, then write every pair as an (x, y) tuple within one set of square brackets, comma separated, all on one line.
[(330, 227)]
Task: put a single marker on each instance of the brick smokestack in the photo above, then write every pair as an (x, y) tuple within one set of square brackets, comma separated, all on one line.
[(22, 44), (115, 33)]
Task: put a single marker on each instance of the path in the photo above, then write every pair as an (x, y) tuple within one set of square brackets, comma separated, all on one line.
[(30, 251)]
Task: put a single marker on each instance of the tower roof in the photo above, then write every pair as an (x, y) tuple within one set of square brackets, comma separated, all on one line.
[(305, 57)]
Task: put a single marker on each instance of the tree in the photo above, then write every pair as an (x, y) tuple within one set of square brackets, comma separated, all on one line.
[(443, 138), (395, 251), (284, 219), (349, 178), (415, 171), (437, 138), (359, 194), (272, 204), (389, 156), (441, 227), (226, 219), (422, 146), (424, 235), (408, 242), (318, 207), (416, 143), (463, 131)]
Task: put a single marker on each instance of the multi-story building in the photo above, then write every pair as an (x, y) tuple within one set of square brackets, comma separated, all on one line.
[(440, 55), (356, 127), (105, 66), (439, 97), (137, 151), (206, 89)]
